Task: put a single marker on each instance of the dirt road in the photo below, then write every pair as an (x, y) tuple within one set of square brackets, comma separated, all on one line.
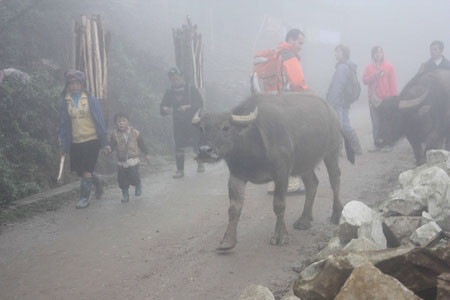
[(162, 244)]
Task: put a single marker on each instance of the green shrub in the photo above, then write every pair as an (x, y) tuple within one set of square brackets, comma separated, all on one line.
[(28, 134)]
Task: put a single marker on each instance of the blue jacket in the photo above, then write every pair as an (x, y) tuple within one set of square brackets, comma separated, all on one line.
[(335, 94), (65, 123)]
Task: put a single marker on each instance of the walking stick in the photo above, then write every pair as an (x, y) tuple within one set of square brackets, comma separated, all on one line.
[(61, 167)]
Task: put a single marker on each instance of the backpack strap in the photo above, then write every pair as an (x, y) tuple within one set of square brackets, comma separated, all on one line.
[(285, 55)]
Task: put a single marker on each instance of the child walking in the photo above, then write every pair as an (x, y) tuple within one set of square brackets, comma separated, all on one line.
[(128, 142)]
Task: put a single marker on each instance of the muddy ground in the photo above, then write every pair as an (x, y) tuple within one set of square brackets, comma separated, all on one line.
[(162, 244)]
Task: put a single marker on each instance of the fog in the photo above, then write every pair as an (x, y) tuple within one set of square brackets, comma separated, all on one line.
[(234, 30)]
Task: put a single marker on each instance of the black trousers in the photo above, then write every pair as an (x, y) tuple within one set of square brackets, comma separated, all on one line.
[(83, 156), (375, 124), (179, 156), (128, 176)]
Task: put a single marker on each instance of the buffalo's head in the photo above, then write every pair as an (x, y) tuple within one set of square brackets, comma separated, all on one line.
[(394, 114), (219, 133)]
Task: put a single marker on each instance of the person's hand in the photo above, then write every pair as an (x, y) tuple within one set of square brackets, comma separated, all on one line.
[(379, 73), (147, 158), (107, 149), (62, 152), (184, 107)]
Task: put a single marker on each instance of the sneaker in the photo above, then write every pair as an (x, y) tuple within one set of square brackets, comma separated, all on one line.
[(138, 190), (83, 203), (178, 174)]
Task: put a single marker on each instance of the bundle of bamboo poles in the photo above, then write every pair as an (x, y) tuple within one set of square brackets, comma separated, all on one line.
[(90, 48), (189, 52)]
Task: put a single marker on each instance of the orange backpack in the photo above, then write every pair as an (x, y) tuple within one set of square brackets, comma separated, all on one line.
[(264, 77)]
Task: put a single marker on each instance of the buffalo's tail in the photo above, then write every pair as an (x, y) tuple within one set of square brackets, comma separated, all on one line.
[(348, 148)]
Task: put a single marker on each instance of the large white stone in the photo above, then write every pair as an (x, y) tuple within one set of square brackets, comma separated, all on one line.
[(354, 215), (256, 292), (424, 233), (424, 190), (407, 202), (374, 232), (440, 158), (433, 177), (439, 209)]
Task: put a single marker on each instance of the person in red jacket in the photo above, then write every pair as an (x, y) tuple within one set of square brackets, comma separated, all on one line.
[(380, 77), (290, 74)]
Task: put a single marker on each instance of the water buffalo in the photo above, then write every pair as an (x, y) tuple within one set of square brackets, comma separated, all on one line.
[(267, 138), (421, 113)]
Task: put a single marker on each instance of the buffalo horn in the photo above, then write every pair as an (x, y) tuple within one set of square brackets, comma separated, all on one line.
[(412, 103), (196, 118), (245, 119)]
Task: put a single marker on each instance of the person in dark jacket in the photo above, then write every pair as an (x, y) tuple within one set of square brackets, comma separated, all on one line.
[(184, 100), (437, 59), (337, 97), (82, 131)]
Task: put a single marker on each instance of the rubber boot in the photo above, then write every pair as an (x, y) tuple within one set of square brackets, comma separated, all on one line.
[(138, 190), (125, 196), (85, 192), (98, 183)]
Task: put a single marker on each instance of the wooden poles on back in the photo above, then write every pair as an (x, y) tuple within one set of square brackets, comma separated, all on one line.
[(90, 54), (189, 52)]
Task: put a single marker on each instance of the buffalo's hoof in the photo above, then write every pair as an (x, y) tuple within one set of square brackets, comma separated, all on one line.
[(302, 224), (224, 246), (280, 240)]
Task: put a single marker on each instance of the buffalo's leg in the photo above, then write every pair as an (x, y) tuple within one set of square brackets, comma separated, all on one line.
[(236, 189), (280, 236), (334, 175), (311, 182), (419, 153)]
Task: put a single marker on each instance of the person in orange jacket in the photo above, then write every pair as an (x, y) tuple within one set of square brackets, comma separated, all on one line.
[(290, 74), (291, 79), (380, 77)]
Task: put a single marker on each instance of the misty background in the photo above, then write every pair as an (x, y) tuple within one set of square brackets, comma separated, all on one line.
[(37, 36), (234, 31)]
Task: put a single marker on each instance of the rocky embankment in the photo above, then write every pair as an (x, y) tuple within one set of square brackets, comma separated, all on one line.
[(400, 250)]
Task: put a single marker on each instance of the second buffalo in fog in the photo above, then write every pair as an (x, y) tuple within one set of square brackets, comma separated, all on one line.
[(421, 113)]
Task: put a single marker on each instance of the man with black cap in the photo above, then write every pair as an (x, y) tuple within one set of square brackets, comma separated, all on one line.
[(184, 100)]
